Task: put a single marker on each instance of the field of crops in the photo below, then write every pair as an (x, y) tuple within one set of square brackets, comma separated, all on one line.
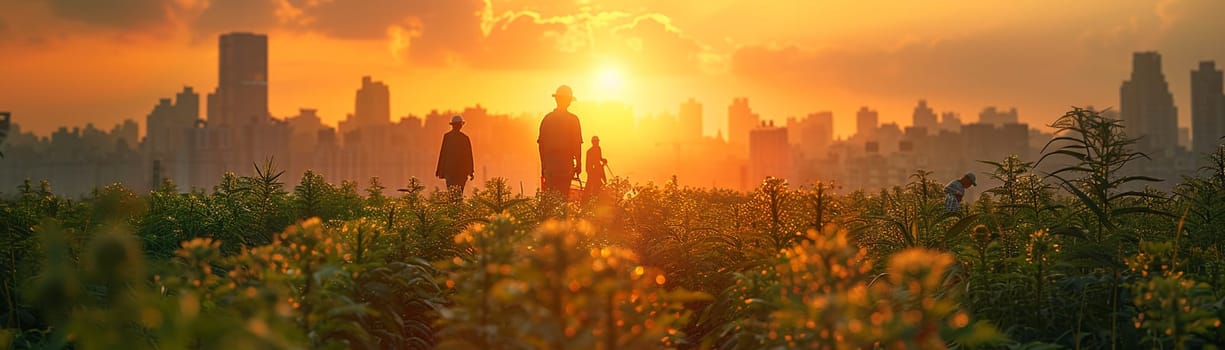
[(1083, 257)]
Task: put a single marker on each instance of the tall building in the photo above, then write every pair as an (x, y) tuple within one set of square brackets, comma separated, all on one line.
[(1207, 108), (740, 119), (242, 81), (866, 122), (1184, 137), (691, 120), (1147, 107), (371, 110), (984, 141), (819, 131), (925, 117), (888, 136), (167, 125), (373, 103), (998, 118), (303, 143), (950, 121), (769, 153), (812, 134), (187, 105), (168, 129), (240, 132)]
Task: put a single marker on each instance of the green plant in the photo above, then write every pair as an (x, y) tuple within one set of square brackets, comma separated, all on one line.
[(1099, 150)]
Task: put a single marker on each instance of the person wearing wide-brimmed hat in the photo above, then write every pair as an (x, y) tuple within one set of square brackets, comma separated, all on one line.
[(561, 142), (455, 158), (955, 191)]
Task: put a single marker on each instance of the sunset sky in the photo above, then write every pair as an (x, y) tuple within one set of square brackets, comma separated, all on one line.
[(69, 62)]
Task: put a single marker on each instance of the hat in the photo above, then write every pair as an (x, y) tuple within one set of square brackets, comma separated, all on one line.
[(457, 119), (595, 139), (972, 180), (564, 91)]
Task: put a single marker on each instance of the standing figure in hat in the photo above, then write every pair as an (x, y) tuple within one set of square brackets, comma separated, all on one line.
[(595, 167), (561, 142), (455, 158), (956, 191)]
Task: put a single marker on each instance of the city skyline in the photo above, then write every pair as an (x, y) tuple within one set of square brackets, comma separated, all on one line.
[(786, 72), (240, 132)]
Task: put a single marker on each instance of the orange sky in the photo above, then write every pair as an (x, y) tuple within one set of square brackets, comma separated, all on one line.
[(69, 62)]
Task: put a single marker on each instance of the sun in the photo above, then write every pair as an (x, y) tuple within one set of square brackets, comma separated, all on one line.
[(609, 82)]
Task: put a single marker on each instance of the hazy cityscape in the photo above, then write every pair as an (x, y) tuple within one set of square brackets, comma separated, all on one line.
[(612, 174), (177, 142)]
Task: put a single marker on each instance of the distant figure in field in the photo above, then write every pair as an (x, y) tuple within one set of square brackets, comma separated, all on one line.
[(595, 167), (455, 158), (956, 190), (561, 142)]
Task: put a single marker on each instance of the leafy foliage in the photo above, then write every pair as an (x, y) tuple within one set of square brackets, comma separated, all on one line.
[(1081, 256)]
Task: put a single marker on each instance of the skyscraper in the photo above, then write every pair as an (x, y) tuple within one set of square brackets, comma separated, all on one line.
[(866, 122), (373, 104), (242, 81), (769, 153), (820, 131), (950, 121), (240, 132), (740, 119), (1207, 108), (998, 118), (187, 104), (166, 127), (1147, 107), (925, 117), (691, 120)]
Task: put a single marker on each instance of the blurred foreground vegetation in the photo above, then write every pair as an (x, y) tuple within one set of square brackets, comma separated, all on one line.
[(1084, 257)]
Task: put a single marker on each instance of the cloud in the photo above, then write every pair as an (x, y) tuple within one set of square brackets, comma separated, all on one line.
[(1057, 64), (975, 70), (652, 42), (220, 16), (1193, 26), (421, 32), (523, 40), (469, 32), (129, 14), (647, 43)]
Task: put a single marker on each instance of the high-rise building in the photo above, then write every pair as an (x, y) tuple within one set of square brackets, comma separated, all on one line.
[(242, 81), (1184, 137), (168, 129), (950, 121), (1207, 108), (373, 104), (159, 128), (691, 120), (1147, 107), (888, 135), (167, 125), (240, 132), (998, 118), (769, 153), (866, 122), (740, 119), (187, 105), (819, 132), (812, 134), (925, 117)]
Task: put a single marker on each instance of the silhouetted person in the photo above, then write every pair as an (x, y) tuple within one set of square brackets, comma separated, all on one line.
[(561, 142), (955, 191), (455, 158), (595, 167)]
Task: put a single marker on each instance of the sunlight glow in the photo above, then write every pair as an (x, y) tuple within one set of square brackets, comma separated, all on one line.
[(609, 83)]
